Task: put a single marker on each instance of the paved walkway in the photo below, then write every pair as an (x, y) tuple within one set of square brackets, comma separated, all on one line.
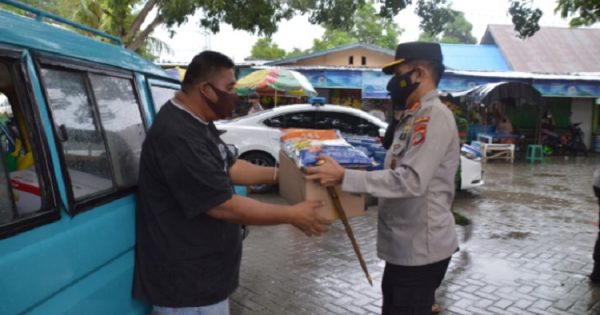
[(528, 251)]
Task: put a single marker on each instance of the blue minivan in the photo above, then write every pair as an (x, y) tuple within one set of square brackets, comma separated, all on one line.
[(75, 110)]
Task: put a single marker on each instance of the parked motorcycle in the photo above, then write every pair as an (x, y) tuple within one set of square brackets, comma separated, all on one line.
[(570, 142)]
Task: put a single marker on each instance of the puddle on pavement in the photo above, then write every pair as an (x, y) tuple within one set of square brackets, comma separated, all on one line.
[(548, 175), (510, 235), (493, 269), (497, 270), (526, 198), (558, 188)]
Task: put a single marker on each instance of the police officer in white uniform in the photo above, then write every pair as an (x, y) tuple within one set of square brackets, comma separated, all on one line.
[(416, 234)]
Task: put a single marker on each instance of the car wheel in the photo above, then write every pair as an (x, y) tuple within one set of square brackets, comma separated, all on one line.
[(261, 159)]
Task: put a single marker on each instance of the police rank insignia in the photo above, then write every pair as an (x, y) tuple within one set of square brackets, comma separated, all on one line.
[(420, 130), (405, 131)]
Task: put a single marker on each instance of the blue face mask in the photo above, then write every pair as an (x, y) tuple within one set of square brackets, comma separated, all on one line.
[(400, 88)]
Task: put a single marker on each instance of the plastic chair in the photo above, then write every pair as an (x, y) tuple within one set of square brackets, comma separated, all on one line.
[(535, 152)]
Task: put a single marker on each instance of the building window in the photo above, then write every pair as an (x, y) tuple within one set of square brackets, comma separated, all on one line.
[(351, 60), (363, 60)]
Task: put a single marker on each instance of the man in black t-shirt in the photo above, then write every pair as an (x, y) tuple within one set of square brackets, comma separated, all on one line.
[(188, 218)]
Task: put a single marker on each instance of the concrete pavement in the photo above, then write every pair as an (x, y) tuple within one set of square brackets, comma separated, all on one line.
[(528, 251)]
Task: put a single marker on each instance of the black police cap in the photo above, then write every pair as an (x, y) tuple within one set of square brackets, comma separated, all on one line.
[(415, 51)]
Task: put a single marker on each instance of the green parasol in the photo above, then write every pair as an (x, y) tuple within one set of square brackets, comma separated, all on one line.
[(273, 81)]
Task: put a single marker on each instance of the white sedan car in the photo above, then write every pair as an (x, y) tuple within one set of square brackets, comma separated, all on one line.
[(257, 135)]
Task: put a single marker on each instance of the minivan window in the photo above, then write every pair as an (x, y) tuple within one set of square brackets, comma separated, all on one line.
[(122, 121), (25, 194), (160, 95), (79, 131)]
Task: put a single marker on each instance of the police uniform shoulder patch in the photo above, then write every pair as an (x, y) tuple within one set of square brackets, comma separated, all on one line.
[(420, 130), (422, 119)]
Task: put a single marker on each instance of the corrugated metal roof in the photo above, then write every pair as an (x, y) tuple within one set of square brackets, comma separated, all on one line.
[(456, 56), (529, 75), (472, 73), (550, 50), (333, 50), (474, 57)]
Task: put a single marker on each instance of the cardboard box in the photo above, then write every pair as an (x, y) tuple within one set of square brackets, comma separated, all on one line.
[(295, 188)]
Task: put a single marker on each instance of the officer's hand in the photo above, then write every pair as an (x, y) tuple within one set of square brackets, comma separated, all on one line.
[(328, 173), (304, 217)]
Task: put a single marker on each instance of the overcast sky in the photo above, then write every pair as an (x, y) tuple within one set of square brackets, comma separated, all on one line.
[(298, 32)]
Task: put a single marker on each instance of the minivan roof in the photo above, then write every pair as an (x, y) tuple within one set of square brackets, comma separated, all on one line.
[(25, 32)]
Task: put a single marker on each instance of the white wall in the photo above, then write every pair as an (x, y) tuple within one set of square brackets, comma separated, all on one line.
[(582, 111)]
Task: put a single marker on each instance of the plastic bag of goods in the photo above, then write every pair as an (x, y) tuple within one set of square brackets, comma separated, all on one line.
[(305, 147)]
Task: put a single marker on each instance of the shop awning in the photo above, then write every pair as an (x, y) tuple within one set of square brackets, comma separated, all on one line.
[(487, 94)]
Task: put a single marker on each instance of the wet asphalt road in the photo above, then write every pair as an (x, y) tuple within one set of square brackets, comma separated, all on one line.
[(527, 251)]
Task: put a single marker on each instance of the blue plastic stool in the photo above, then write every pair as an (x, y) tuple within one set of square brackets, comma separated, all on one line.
[(241, 190), (535, 152)]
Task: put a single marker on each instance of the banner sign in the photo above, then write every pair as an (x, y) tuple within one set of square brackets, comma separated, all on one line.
[(333, 79), (565, 88), (373, 83)]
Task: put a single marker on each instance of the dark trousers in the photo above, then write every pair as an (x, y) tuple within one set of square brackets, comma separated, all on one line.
[(410, 290), (595, 276)]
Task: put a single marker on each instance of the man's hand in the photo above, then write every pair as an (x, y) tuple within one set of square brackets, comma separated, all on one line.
[(304, 217), (329, 173)]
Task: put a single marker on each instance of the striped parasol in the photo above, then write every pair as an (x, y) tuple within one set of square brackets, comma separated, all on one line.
[(275, 81)]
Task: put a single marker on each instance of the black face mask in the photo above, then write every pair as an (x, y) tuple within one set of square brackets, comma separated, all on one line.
[(401, 87), (225, 103)]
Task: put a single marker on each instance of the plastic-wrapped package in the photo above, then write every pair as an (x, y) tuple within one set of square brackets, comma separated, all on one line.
[(347, 156), (310, 134), (371, 146), (305, 147)]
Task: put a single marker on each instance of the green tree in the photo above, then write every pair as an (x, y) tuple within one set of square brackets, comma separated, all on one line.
[(373, 29), (121, 18), (457, 31), (135, 20), (332, 38), (580, 12), (368, 27), (435, 14), (295, 52), (525, 18), (264, 48)]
